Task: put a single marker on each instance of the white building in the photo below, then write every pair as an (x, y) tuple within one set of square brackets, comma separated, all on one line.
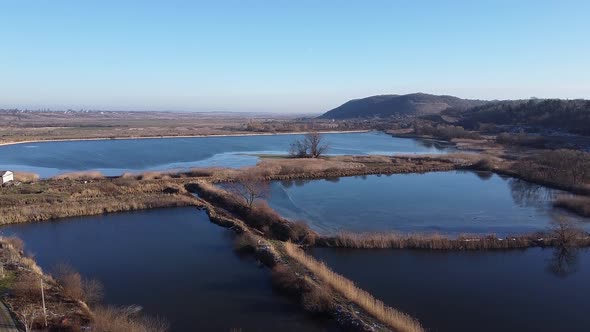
[(7, 176)]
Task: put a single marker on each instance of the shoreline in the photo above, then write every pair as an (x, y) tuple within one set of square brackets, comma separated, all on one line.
[(180, 136)]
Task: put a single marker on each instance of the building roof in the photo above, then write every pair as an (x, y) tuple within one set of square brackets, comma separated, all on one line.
[(2, 173)]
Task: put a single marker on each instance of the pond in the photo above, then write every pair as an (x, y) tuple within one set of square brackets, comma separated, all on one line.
[(449, 203), (530, 290), (114, 157), (172, 262)]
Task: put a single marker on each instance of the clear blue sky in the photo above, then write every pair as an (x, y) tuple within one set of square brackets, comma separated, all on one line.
[(286, 56)]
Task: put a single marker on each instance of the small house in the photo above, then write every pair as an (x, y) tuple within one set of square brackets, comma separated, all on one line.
[(6, 176)]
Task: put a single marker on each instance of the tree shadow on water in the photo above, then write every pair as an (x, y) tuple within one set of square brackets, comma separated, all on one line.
[(564, 262)]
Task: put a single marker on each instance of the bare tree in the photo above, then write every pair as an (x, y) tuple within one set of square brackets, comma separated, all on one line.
[(317, 147), (311, 146), (250, 187), (298, 149), (27, 315), (566, 235)]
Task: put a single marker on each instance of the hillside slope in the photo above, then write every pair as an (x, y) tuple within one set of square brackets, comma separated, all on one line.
[(384, 106)]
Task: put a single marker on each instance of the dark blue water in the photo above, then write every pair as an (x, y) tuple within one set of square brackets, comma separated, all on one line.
[(114, 157), (443, 202), (172, 262), (532, 290)]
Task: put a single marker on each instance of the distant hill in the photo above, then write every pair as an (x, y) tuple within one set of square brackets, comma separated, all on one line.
[(385, 106)]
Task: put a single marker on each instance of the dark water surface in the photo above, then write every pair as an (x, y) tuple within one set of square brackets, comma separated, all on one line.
[(531, 290), (113, 157), (442, 202), (172, 262)]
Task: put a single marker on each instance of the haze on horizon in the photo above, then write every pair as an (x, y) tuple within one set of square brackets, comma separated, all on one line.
[(286, 56)]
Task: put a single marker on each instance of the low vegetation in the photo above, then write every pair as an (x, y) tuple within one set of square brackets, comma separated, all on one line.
[(522, 139), (566, 169), (258, 216), (445, 132), (577, 204), (69, 298), (22, 279)]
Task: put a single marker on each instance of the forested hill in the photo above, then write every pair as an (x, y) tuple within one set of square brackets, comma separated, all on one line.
[(385, 106), (567, 115)]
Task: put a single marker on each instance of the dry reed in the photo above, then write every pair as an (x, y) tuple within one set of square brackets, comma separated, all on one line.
[(393, 318)]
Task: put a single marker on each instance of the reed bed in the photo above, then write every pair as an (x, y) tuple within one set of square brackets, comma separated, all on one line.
[(441, 242), (393, 318), (577, 204)]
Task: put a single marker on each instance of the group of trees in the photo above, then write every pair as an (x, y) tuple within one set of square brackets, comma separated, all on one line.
[(311, 146), (568, 115)]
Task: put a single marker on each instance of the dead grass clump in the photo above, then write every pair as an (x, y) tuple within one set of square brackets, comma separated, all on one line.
[(484, 164), (86, 175), (112, 319), (245, 242), (25, 177), (393, 318), (287, 280), (577, 204), (318, 300), (15, 242)]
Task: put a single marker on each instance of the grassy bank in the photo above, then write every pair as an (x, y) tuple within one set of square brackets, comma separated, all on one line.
[(67, 296), (259, 217)]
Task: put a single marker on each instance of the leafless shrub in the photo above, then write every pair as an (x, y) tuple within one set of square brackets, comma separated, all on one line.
[(565, 233), (317, 147), (28, 314), (76, 287), (311, 146), (250, 187), (93, 291)]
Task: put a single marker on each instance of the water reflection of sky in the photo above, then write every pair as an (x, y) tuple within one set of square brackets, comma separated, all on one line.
[(451, 203), (114, 157)]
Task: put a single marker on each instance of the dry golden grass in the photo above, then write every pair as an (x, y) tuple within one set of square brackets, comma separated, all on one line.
[(393, 318), (441, 242), (110, 319), (25, 176), (86, 175), (51, 199)]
